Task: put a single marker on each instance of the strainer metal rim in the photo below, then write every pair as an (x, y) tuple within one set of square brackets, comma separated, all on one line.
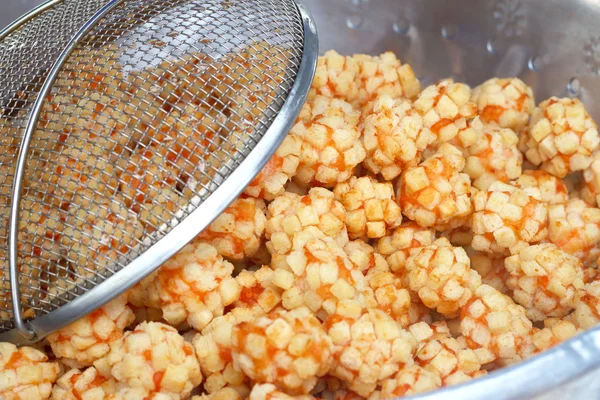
[(32, 331)]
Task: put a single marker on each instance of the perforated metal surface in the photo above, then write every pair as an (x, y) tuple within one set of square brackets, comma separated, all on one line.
[(155, 108)]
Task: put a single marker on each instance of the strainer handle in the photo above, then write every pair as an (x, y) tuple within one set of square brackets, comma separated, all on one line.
[(17, 188)]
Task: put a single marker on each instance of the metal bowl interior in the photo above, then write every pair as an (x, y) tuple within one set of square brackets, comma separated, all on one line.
[(553, 45)]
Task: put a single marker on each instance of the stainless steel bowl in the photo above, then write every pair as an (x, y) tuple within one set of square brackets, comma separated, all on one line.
[(553, 45)]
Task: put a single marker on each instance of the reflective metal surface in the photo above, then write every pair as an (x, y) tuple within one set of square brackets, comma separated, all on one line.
[(553, 45), (127, 126)]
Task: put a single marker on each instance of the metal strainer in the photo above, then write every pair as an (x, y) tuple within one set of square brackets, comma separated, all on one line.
[(127, 126)]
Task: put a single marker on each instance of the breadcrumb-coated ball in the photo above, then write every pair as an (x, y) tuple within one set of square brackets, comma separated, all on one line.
[(195, 285), (507, 218), (369, 349), (280, 169), (237, 232), (317, 273), (145, 175), (88, 339), (410, 380), (365, 257), (267, 391), (79, 167), (154, 357), (213, 349), (436, 193), (552, 189), (490, 268), (360, 78), (258, 290), (25, 373), (390, 295), (561, 137), (89, 384), (394, 137), (336, 76), (544, 279), (371, 207), (98, 230), (445, 355), (330, 147), (555, 331), (289, 349), (590, 191), (495, 327), (507, 102), (291, 213), (225, 393), (384, 74), (575, 228), (494, 156), (587, 306), (442, 276), (447, 110), (41, 228), (396, 247)]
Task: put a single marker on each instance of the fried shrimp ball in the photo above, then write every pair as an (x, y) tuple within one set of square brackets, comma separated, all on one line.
[(368, 349), (214, 351), (25, 373), (575, 228), (390, 296), (436, 193), (507, 102), (495, 327), (317, 273), (555, 331), (41, 228), (153, 357), (267, 391), (258, 290), (361, 78), (544, 280), (371, 209), (442, 277), (590, 191), (145, 175), (330, 147), (225, 393), (396, 247), (97, 231), (508, 218), (552, 189), (237, 232), (491, 269), (89, 384), (364, 257), (280, 169), (286, 348), (193, 286), (410, 380), (445, 355), (89, 338), (494, 157), (562, 137), (447, 111), (80, 167), (394, 137), (291, 213), (587, 306)]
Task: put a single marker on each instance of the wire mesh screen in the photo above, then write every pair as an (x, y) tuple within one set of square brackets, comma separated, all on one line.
[(154, 108)]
